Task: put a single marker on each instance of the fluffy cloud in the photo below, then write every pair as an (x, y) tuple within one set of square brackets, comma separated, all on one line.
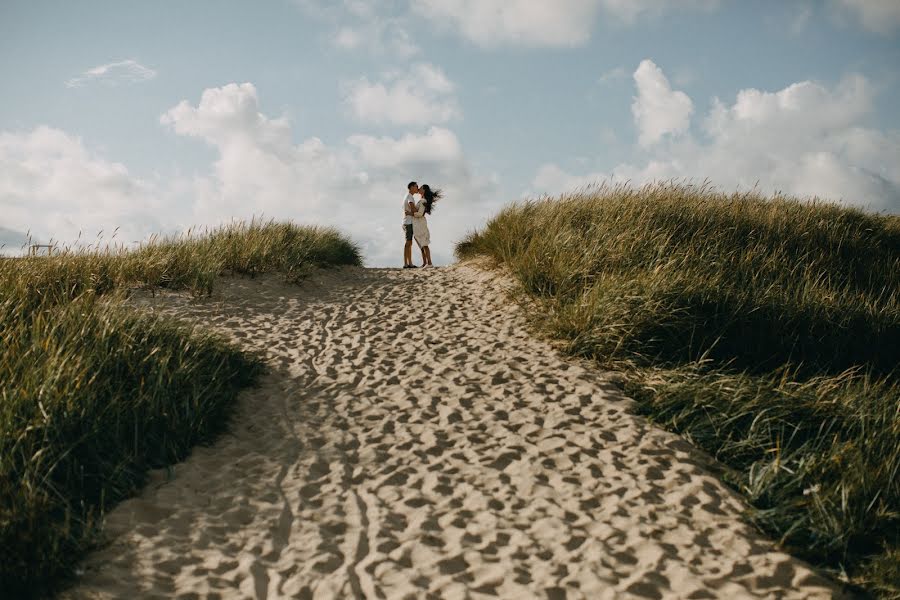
[(357, 186), (495, 22), (530, 23), (54, 187), (658, 109), (227, 117), (374, 26), (125, 71), (439, 145), (882, 16), (421, 96), (806, 139), (553, 179), (381, 26), (630, 10)]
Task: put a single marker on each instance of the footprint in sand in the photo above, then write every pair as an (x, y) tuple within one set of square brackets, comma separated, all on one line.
[(452, 457)]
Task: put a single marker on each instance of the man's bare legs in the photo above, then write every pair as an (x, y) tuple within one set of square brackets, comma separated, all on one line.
[(407, 253)]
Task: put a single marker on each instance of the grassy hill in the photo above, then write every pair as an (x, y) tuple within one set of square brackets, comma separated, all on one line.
[(766, 330), (93, 394)]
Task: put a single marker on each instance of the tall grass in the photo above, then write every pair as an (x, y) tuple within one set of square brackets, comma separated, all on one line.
[(190, 261), (93, 394), (767, 330)]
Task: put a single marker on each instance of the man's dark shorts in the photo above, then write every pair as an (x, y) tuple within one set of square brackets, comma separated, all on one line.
[(408, 229)]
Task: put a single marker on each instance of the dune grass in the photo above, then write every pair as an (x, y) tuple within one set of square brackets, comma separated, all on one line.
[(93, 393), (766, 330)]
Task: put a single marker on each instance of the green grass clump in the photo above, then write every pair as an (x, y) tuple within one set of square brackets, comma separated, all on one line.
[(94, 393), (191, 261), (766, 330)]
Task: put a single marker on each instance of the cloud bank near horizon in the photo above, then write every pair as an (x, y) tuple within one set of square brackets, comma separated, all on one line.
[(807, 140), (357, 186)]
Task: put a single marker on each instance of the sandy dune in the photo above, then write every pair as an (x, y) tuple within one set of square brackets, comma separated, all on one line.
[(413, 440)]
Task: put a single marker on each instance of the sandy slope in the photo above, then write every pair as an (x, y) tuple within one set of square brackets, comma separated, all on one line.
[(414, 440)]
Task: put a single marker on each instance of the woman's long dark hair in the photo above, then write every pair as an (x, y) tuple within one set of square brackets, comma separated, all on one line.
[(430, 197)]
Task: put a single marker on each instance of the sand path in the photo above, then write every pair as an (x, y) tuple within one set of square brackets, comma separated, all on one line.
[(413, 440)]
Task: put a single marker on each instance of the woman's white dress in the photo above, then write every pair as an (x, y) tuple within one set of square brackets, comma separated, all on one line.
[(420, 225)]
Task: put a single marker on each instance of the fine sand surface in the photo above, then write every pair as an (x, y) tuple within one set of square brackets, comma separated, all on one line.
[(414, 440)]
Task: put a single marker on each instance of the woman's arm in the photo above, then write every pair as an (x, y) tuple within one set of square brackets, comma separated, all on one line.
[(420, 209)]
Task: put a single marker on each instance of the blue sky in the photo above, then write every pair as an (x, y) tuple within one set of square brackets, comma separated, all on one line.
[(158, 116)]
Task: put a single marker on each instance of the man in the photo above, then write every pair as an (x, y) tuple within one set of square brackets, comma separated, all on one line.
[(409, 208)]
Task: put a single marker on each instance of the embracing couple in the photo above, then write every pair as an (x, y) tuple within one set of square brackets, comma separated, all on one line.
[(419, 201)]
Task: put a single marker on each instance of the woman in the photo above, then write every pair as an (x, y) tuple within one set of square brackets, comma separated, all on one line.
[(420, 224)]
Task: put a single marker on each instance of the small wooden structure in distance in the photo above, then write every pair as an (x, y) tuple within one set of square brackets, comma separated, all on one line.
[(33, 249)]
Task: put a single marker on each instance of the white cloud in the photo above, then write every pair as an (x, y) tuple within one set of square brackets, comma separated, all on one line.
[(799, 113), (552, 179), (421, 96), (357, 186), (630, 11), (438, 145), (498, 22), (881, 16), (260, 169), (348, 38), (806, 139), (531, 23), (373, 26), (125, 71), (53, 186), (382, 26), (227, 116), (613, 74), (658, 109)]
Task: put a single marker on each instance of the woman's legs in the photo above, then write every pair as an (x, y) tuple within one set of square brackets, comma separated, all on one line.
[(426, 255)]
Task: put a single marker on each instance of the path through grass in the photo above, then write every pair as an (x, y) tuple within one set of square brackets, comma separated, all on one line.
[(766, 330), (93, 393)]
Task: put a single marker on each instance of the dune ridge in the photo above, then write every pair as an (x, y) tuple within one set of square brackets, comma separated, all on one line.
[(413, 439)]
